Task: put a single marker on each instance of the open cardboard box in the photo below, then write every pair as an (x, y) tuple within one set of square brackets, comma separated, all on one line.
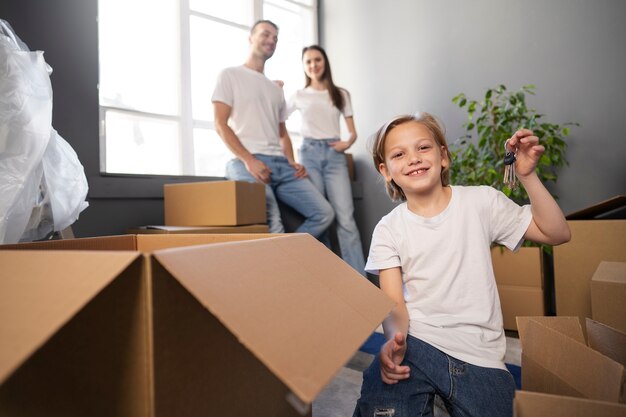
[(535, 404), (240, 328), (598, 234), (557, 360)]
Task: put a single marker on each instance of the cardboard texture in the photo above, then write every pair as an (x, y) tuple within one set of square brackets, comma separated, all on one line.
[(237, 328), (520, 301), (608, 294), (556, 360), (534, 404), (251, 228), (73, 338), (143, 243), (523, 268), (575, 262), (214, 203), (607, 340)]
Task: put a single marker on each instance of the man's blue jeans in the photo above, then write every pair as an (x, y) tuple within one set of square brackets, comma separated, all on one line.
[(328, 171), (299, 194), (466, 390)]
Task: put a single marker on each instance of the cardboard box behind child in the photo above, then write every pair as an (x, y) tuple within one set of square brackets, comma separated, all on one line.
[(593, 241), (608, 294)]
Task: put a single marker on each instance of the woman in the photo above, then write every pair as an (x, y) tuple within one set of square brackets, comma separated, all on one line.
[(321, 103)]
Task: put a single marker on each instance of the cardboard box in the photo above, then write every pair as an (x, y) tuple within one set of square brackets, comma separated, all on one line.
[(575, 262), (235, 328), (143, 243), (214, 203), (556, 360), (534, 404), (251, 228), (607, 340), (608, 294), (520, 301), (523, 268)]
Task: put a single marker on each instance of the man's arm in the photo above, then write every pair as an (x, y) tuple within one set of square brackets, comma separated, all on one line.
[(548, 224), (342, 146), (257, 168), (396, 328)]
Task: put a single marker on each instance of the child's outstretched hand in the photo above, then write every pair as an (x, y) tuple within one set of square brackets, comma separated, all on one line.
[(528, 151), (391, 355)]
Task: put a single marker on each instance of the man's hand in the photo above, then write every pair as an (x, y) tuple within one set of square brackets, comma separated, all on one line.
[(391, 355), (259, 170), (300, 170)]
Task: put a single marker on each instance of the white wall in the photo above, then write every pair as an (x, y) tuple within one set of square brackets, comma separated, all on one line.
[(399, 56)]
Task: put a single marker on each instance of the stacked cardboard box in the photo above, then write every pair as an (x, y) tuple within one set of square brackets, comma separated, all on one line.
[(214, 203), (608, 294), (598, 234), (519, 277), (557, 360), (248, 326)]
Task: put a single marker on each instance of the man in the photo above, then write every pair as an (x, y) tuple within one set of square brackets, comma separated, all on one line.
[(257, 136)]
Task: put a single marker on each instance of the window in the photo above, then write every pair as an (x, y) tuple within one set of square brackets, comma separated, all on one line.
[(159, 60)]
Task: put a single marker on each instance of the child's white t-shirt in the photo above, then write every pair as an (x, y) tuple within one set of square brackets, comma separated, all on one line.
[(257, 108), (320, 117), (449, 285)]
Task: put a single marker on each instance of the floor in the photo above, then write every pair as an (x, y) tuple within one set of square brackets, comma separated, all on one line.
[(339, 397)]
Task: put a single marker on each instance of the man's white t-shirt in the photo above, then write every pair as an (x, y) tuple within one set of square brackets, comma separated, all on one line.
[(258, 107), (320, 117), (448, 281)]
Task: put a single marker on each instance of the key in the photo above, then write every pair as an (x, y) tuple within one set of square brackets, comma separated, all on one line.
[(510, 180)]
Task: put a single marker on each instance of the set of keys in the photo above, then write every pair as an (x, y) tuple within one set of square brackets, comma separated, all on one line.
[(510, 180)]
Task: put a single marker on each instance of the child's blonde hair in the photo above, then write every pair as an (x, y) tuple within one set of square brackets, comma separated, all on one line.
[(429, 122)]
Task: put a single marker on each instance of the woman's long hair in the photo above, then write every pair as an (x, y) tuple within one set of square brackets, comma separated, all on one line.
[(334, 91)]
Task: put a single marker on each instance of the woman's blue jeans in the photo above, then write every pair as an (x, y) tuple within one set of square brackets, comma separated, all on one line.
[(298, 193), (328, 170), (467, 390)]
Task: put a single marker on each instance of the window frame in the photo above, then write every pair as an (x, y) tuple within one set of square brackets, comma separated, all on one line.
[(120, 185)]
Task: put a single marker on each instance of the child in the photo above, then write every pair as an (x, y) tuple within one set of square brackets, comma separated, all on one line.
[(432, 254)]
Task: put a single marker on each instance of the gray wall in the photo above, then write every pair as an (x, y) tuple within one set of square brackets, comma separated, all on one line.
[(399, 56), (395, 56)]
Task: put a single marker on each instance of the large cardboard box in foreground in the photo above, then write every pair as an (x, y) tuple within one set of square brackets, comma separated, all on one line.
[(214, 203), (593, 241), (239, 328), (557, 360), (608, 294), (534, 404)]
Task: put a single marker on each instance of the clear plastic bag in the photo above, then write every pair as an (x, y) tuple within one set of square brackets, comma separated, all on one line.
[(42, 182)]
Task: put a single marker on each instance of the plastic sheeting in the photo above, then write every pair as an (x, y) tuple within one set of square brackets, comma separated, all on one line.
[(42, 183)]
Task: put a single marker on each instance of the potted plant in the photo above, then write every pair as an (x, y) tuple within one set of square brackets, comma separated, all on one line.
[(481, 162)]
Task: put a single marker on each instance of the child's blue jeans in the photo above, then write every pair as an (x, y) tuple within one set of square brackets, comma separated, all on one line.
[(466, 390)]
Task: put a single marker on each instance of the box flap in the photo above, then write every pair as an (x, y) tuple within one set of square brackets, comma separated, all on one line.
[(607, 340), (602, 209), (534, 404), (573, 363), (569, 326), (37, 299), (150, 243), (118, 242), (294, 304), (610, 272)]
